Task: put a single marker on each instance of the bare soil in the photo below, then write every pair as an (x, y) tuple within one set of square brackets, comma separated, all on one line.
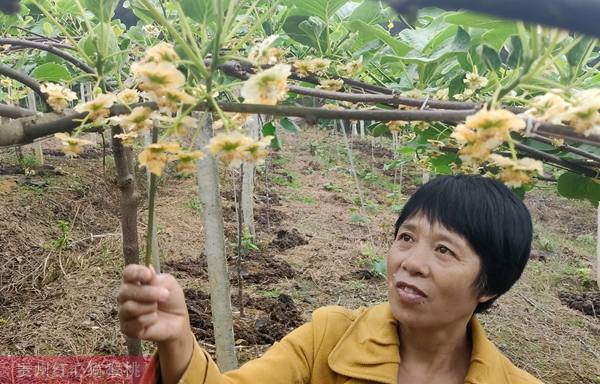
[(266, 319), (587, 302), (316, 246)]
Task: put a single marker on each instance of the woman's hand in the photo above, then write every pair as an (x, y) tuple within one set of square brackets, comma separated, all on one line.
[(152, 306)]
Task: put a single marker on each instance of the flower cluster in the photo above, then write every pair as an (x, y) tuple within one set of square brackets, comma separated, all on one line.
[(442, 94), (71, 145), (396, 126), (268, 86), (351, 68), (581, 111), (475, 81), (331, 84), (128, 96), (98, 108), (264, 54), (6, 83), (158, 75), (486, 131), (59, 97), (515, 173), (156, 156), (318, 66), (233, 148)]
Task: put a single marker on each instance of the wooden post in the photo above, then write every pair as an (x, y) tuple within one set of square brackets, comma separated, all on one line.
[(248, 171), (37, 146), (598, 247), (155, 251), (214, 249), (86, 94)]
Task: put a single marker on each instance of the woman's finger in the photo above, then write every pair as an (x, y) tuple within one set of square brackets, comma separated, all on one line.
[(131, 309), (135, 273), (142, 293)]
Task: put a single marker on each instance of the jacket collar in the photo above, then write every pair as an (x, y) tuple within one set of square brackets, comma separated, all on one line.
[(369, 350)]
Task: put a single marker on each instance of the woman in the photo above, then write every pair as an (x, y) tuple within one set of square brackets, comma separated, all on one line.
[(460, 243)]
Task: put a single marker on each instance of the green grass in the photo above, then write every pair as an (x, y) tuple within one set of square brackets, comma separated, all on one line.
[(275, 292), (194, 204), (286, 179)]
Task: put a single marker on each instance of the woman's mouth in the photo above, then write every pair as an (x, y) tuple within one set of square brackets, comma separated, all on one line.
[(410, 294)]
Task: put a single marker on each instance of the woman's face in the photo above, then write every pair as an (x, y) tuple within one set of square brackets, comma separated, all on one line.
[(431, 275)]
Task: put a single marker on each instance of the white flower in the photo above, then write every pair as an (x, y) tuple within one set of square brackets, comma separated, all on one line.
[(267, 87), (58, 96), (549, 107), (151, 30), (158, 77), (99, 107), (474, 81), (162, 52), (140, 119), (263, 53), (128, 96)]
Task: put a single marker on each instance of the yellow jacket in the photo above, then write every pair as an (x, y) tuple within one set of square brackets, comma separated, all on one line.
[(342, 346)]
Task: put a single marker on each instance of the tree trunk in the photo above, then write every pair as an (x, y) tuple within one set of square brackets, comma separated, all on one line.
[(129, 202), (248, 171), (218, 276)]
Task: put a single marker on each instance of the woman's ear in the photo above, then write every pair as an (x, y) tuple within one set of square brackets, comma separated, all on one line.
[(484, 298)]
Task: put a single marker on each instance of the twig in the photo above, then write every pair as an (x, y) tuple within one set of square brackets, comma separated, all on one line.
[(539, 155), (569, 148), (535, 153), (24, 79), (389, 97), (15, 112), (49, 48)]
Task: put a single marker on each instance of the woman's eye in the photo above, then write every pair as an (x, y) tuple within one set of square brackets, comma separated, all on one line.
[(444, 250), (405, 237)]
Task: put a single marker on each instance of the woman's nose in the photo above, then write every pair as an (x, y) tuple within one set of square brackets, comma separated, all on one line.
[(415, 261)]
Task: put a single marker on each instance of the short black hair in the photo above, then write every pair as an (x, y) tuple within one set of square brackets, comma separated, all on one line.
[(492, 218)]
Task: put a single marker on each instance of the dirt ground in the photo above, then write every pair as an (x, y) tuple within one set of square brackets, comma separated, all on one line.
[(60, 256)]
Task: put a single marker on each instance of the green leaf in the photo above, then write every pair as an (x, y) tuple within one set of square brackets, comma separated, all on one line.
[(575, 55), (378, 129), (474, 20), (443, 164), (371, 12), (47, 28), (516, 52), (67, 7), (459, 44), (199, 10), (51, 72), (289, 125), (313, 28), (422, 38), (324, 9), (269, 129), (376, 32), (574, 186), (292, 27), (497, 37), (141, 12), (490, 57), (104, 10)]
